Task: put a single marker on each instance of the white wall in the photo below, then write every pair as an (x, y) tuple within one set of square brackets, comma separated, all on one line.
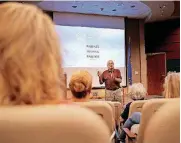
[(70, 19)]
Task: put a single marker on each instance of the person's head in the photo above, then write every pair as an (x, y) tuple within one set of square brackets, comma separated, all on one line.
[(110, 65), (80, 84), (172, 85), (137, 91), (30, 62)]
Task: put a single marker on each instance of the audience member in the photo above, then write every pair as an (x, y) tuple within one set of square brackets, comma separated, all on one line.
[(80, 86), (172, 85), (171, 90), (135, 92), (30, 61)]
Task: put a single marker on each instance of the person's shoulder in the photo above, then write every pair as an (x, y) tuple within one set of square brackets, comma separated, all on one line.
[(117, 70)]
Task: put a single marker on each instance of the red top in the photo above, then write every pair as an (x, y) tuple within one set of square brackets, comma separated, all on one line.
[(109, 78)]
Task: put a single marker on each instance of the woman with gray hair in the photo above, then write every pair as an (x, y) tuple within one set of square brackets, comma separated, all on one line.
[(135, 92)]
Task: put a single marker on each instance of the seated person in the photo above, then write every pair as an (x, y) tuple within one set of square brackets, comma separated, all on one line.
[(80, 86), (171, 90), (135, 92), (172, 85), (30, 63)]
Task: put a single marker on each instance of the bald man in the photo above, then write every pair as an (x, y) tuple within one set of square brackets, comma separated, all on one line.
[(112, 79)]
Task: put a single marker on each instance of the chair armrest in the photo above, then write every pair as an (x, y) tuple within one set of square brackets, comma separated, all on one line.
[(129, 133)]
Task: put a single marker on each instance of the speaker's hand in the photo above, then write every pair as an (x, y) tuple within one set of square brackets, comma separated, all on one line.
[(99, 73)]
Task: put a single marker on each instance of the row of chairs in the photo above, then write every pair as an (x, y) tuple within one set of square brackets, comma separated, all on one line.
[(72, 123), (151, 111), (94, 123)]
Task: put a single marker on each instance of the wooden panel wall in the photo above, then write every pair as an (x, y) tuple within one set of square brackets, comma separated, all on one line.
[(163, 37)]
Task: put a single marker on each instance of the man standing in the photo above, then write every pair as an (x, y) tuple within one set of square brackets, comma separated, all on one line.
[(112, 79)]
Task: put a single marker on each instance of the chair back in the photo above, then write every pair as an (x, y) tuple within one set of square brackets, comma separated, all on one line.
[(136, 106), (51, 124), (103, 109), (149, 109), (164, 126)]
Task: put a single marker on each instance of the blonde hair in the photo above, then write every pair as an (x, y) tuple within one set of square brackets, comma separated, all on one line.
[(30, 62), (172, 85), (137, 91), (80, 84)]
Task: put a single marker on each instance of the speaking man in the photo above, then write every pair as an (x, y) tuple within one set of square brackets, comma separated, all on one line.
[(112, 79)]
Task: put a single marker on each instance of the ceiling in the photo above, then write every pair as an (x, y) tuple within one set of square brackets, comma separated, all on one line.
[(160, 10), (149, 10), (110, 8)]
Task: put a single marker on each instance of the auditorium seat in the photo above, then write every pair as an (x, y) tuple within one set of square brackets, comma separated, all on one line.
[(117, 112), (164, 126), (118, 108), (51, 124), (113, 108), (101, 108), (136, 106), (148, 110), (104, 110)]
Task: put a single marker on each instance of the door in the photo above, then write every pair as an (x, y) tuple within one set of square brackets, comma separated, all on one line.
[(156, 72)]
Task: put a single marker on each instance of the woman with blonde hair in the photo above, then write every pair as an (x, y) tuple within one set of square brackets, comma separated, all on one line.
[(80, 86), (30, 61), (172, 85)]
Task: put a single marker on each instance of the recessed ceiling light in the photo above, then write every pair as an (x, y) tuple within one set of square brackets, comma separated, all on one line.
[(164, 6), (74, 6), (114, 10), (132, 6), (102, 9)]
